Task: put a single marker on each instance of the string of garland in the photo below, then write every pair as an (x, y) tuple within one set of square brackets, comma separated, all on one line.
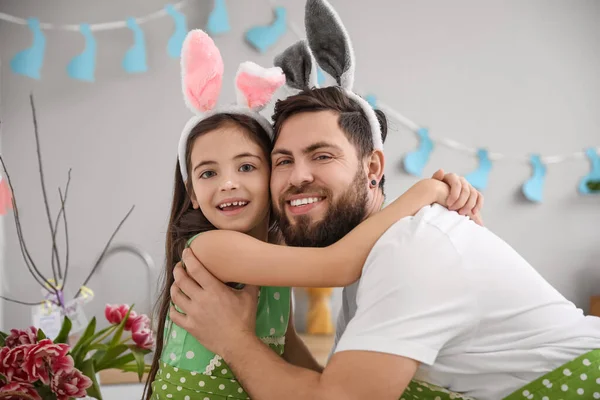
[(29, 62)]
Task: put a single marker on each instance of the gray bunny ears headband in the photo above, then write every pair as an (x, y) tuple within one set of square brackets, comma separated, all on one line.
[(328, 45)]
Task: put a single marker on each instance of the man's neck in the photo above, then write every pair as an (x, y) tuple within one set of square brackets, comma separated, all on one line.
[(377, 203)]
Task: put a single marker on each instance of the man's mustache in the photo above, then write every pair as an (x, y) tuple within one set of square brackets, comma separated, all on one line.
[(292, 191)]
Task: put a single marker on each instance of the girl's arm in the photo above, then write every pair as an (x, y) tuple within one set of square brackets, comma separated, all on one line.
[(237, 257)]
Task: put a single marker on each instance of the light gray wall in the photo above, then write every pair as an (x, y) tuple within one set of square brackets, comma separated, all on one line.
[(517, 77), (2, 248)]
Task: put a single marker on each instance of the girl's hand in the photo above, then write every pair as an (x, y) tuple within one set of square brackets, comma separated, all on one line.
[(463, 198)]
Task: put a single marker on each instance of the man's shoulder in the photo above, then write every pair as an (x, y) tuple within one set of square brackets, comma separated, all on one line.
[(419, 226), (432, 232)]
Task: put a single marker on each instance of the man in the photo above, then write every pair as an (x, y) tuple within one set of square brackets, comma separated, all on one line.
[(441, 299)]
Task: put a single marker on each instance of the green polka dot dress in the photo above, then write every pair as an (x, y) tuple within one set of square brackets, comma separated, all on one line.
[(189, 371), (575, 380)]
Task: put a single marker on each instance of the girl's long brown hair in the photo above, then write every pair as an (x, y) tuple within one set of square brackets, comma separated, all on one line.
[(185, 222)]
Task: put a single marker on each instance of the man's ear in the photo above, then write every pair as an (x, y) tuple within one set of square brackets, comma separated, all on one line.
[(375, 166)]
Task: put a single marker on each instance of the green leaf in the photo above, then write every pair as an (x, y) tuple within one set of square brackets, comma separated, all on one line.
[(89, 331), (41, 335), (45, 392), (99, 334), (3, 337), (98, 346), (132, 367), (139, 359), (98, 356), (594, 186), (117, 336), (89, 370), (117, 363), (63, 335), (81, 348), (110, 355)]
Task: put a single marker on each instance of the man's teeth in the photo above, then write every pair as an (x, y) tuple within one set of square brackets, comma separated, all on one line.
[(304, 201), (235, 203)]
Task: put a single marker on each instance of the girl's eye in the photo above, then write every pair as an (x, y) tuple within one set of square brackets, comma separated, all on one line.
[(207, 174), (247, 168)]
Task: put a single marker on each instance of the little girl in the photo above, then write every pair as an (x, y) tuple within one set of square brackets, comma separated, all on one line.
[(222, 182)]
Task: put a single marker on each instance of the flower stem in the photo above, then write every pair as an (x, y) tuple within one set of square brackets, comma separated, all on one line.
[(101, 338), (126, 340)]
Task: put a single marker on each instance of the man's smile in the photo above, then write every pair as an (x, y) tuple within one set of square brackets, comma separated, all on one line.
[(303, 203)]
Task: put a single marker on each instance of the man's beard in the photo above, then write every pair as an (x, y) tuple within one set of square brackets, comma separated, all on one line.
[(342, 216)]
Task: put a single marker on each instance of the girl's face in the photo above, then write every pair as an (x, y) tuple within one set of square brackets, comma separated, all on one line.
[(230, 179)]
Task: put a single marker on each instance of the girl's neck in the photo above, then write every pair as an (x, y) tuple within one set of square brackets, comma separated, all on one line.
[(261, 230)]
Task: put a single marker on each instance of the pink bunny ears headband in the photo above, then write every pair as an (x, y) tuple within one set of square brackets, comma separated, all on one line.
[(202, 76), (328, 45)]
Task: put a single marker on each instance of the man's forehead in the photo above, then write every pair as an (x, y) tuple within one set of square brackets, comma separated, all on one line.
[(306, 129)]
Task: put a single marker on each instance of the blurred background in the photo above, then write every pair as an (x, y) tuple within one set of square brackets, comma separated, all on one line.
[(511, 78)]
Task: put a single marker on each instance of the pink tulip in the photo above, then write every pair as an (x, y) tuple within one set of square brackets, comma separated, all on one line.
[(68, 385), (115, 313), (21, 387), (18, 337), (3, 359), (45, 358), (12, 363), (143, 338), (133, 316), (139, 322)]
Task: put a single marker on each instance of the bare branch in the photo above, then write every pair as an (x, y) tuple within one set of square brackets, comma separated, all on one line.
[(25, 303), (24, 251), (104, 251), (39, 156), (62, 210), (64, 214)]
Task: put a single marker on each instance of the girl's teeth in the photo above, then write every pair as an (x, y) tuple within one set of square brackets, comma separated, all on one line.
[(235, 203)]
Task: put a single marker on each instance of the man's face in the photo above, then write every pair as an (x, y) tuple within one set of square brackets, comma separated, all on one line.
[(318, 185)]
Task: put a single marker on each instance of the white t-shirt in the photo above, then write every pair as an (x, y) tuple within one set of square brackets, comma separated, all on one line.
[(444, 291)]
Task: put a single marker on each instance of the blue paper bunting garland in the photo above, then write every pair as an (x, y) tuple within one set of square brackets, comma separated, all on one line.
[(176, 40), (263, 37), (218, 20), (479, 178), (320, 76), (29, 62), (372, 100), (533, 188), (415, 161), (593, 176), (135, 58), (83, 65)]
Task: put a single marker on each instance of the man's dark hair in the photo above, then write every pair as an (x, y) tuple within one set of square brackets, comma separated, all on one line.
[(352, 119)]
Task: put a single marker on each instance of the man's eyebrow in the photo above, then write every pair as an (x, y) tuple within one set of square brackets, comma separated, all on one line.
[(320, 145), (307, 150), (284, 152)]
